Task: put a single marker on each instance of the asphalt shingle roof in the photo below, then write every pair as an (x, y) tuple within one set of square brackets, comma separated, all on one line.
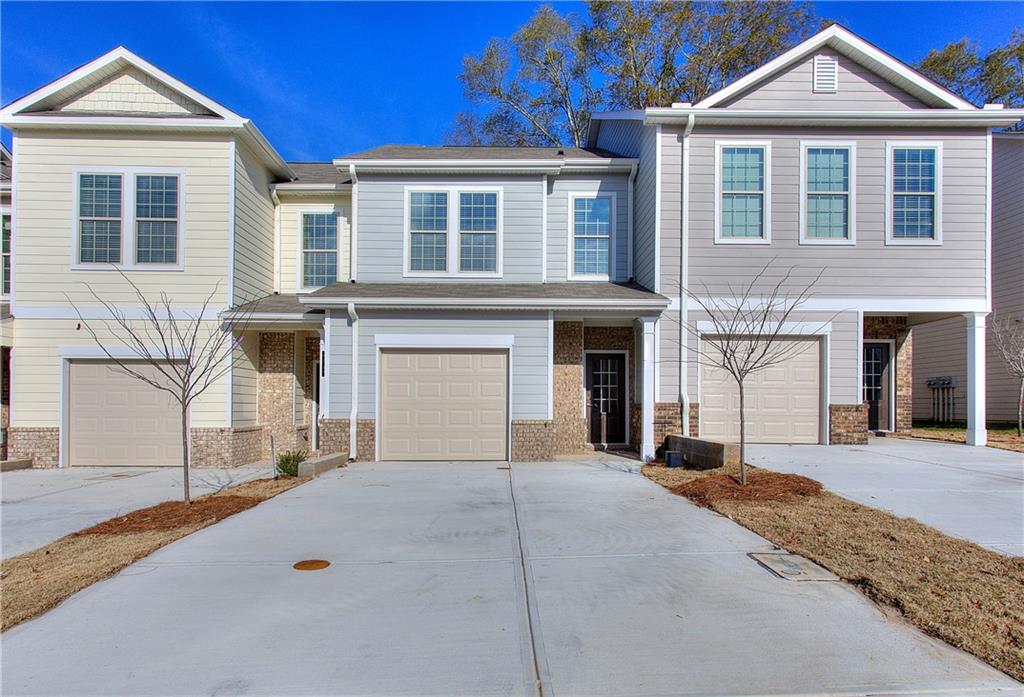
[(318, 173), (453, 152)]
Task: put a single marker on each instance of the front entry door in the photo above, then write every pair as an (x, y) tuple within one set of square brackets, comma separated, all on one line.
[(606, 397), (876, 385)]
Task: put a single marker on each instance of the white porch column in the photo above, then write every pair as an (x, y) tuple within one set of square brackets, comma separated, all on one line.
[(976, 434), (648, 446)]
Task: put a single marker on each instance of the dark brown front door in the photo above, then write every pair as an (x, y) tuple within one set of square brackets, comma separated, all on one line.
[(606, 397), (876, 385)]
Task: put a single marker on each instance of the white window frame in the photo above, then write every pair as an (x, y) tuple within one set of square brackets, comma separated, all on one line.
[(890, 146), (613, 225), (300, 276), (9, 214), (136, 220), (767, 228), (453, 232), (128, 219), (851, 192)]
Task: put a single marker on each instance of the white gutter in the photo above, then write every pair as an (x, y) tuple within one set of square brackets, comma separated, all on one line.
[(977, 117), (353, 415), (533, 166), (353, 223), (629, 220), (491, 303)]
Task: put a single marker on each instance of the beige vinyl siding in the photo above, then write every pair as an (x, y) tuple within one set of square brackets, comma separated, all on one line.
[(254, 227), (132, 91), (37, 372), (244, 405), (289, 213), (940, 348), (560, 220), (48, 224), (859, 89), (870, 269)]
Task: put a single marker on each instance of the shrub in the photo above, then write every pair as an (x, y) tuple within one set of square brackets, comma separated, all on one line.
[(288, 462)]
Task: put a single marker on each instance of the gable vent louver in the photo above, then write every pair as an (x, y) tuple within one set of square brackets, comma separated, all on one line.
[(826, 74)]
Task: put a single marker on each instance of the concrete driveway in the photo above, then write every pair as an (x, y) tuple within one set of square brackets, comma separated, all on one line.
[(973, 493), (39, 506), (472, 579)]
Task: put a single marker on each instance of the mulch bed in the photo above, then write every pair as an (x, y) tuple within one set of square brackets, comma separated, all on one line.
[(761, 485), (172, 514)]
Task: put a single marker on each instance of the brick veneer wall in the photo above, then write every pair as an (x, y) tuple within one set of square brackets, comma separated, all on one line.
[(334, 436), (896, 328), (227, 447), (533, 441), (276, 391), (365, 440), (311, 377), (667, 421), (41, 444), (848, 424), (570, 425)]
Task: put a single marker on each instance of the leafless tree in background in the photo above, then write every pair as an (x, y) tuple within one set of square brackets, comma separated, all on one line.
[(1008, 338), (188, 352), (748, 331)]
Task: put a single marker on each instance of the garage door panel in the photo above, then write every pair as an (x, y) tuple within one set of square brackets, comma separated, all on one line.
[(452, 406), (783, 401)]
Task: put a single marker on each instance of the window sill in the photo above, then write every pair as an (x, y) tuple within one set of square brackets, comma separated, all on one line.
[(591, 278), (894, 242), (453, 275), (742, 241), (826, 242), (103, 266)]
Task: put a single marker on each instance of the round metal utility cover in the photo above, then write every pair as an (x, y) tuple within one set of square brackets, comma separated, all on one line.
[(311, 565)]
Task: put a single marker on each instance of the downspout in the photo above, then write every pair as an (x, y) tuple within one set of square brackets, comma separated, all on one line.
[(684, 260), (353, 414), (629, 221), (352, 237), (277, 239)]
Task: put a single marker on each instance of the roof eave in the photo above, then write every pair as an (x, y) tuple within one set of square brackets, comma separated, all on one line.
[(951, 117), (490, 303), (541, 166)]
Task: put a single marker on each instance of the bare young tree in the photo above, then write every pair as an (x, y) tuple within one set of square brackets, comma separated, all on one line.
[(187, 352), (1008, 338), (745, 332)]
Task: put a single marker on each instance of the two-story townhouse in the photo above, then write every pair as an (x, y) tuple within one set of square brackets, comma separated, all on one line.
[(496, 303), (834, 158), (940, 365)]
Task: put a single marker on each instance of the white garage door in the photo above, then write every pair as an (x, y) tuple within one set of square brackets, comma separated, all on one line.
[(116, 419), (783, 401), (444, 404)]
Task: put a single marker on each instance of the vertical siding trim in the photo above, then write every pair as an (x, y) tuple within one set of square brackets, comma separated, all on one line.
[(988, 220), (325, 372), (551, 363), (14, 249), (657, 211), (860, 357), (354, 224), (544, 231), (353, 415), (684, 279), (232, 203), (277, 240)]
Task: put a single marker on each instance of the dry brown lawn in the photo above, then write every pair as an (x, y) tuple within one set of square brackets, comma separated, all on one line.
[(952, 589), (36, 581), (1002, 437)]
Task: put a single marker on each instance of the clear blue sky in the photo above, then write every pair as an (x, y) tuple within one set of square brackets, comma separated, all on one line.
[(325, 79)]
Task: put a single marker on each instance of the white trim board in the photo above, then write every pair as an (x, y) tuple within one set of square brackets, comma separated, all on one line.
[(786, 328), (892, 306), (454, 341)]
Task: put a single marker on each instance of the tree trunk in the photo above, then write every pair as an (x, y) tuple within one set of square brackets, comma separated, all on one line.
[(743, 439), (1020, 408), (184, 451)]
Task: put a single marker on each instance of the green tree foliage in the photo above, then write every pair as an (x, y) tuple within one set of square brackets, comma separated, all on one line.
[(997, 77)]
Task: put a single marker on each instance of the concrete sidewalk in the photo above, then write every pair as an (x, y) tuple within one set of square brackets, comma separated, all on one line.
[(41, 505), (973, 493), (469, 579)]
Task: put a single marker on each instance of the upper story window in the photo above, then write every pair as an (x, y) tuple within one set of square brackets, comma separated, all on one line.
[(99, 218), (156, 219), (827, 208), (130, 217), (742, 210), (5, 271), (914, 194), (319, 249), (453, 223), (478, 231), (428, 230), (591, 235)]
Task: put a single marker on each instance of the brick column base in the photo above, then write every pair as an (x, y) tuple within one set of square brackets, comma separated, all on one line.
[(226, 447), (41, 444), (848, 424), (533, 441)]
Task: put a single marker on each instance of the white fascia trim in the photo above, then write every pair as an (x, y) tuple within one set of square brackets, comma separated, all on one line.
[(785, 328), (802, 117), (625, 115), (121, 352), (988, 220), (15, 161), (836, 37), (613, 236), (935, 145), (532, 166), (658, 177), (851, 193), (100, 313), (507, 303), (766, 239), (232, 204), (544, 229), (305, 318), (471, 341), (880, 306), (314, 209), (309, 187), (353, 237), (551, 366)]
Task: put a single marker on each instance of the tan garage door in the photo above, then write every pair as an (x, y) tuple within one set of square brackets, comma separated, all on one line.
[(116, 419), (444, 404), (783, 401)]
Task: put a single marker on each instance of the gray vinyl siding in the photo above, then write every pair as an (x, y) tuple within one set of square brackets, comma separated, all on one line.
[(870, 269), (254, 228), (940, 348), (644, 198), (529, 363), (559, 251), (381, 226), (622, 137), (859, 90), (671, 208)]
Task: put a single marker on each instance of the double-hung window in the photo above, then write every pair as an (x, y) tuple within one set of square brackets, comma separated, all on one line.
[(478, 231), (319, 249), (99, 218), (828, 203), (5, 271), (592, 236), (743, 208), (914, 189), (156, 219), (428, 231)]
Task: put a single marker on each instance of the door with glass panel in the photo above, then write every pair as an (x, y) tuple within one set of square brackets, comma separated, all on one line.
[(876, 385), (606, 398)]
